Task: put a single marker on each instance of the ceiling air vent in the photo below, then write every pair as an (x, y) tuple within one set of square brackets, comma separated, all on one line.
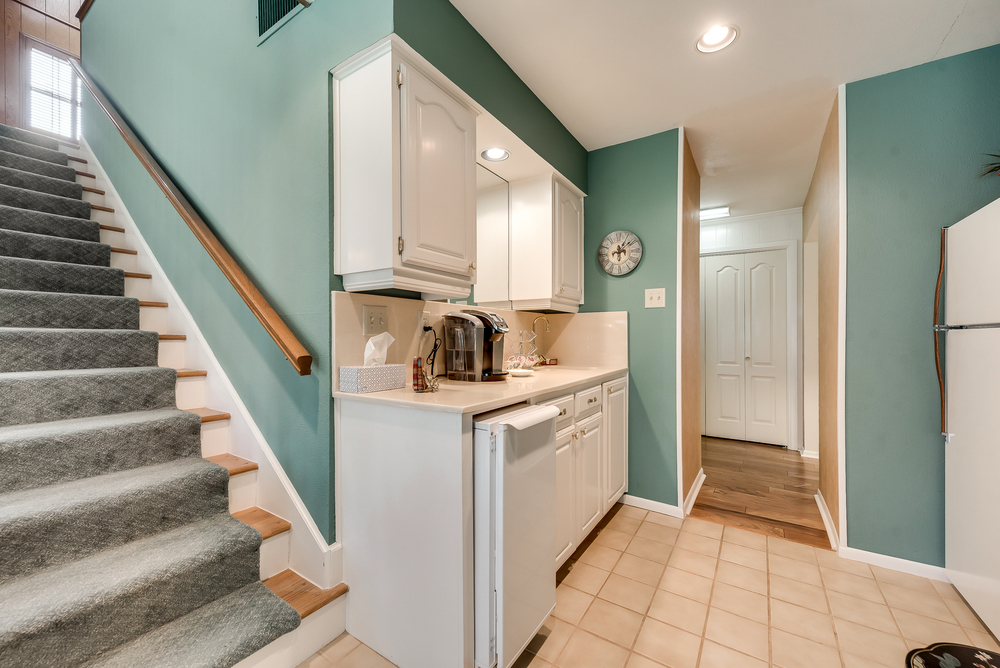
[(270, 12)]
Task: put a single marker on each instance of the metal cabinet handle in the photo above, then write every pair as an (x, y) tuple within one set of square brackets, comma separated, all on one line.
[(609, 390), (562, 412), (583, 432)]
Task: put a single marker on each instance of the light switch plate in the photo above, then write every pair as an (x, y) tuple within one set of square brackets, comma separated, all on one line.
[(375, 319), (656, 298)]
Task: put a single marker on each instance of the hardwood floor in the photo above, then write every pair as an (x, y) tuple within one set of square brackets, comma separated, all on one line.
[(761, 488)]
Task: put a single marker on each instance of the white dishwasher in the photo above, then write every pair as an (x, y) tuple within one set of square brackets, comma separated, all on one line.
[(514, 527)]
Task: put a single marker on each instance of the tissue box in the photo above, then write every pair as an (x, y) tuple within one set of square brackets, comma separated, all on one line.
[(361, 379)]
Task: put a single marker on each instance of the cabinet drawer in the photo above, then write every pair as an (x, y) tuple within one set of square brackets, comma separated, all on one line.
[(588, 402), (566, 412)]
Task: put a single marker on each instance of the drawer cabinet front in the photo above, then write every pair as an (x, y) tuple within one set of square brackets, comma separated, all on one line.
[(566, 411), (589, 474), (566, 528), (588, 402)]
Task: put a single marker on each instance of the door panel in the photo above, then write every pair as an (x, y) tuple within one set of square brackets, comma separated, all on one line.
[(565, 497), (724, 347), (438, 178), (766, 373), (591, 454), (972, 459), (569, 244), (615, 439)]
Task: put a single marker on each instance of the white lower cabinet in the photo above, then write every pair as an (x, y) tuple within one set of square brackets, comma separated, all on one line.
[(566, 494), (591, 460)]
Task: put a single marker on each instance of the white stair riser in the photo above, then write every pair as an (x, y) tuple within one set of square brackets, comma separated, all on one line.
[(190, 392), (93, 198), (242, 491), (214, 438), (171, 354), (103, 217), (153, 319), (138, 288), (274, 555), (116, 239), (123, 261)]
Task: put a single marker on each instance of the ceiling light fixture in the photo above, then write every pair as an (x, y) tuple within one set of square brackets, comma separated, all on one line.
[(495, 154), (717, 38), (717, 212)]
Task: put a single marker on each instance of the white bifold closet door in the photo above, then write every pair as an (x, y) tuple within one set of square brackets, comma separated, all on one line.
[(746, 367)]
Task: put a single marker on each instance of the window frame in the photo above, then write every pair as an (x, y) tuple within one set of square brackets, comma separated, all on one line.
[(27, 44)]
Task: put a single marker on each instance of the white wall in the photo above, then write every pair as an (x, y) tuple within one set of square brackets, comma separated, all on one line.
[(746, 232)]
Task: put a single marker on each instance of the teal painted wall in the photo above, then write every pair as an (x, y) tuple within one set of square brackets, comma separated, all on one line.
[(633, 186), (915, 145), (245, 131), (439, 32)]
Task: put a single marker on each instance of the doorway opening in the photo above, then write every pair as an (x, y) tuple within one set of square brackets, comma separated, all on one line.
[(756, 474)]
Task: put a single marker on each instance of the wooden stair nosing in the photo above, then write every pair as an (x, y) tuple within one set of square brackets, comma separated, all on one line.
[(93, 190), (112, 228), (301, 594), (76, 159), (268, 524), (97, 207), (154, 304), (173, 337), (209, 414), (126, 251), (235, 465), (136, 274), (191, 373), (89, 176)]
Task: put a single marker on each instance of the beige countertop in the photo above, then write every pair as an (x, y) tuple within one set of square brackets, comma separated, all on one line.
[(460, 397)]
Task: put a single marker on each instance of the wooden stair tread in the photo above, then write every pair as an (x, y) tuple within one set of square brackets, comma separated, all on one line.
[(126, 251), (136, 274), (173, 337), (235, 465), (112, 228), (94, 190), (267, 524), (154, 304), (76, 159), (90, 176), (301, 594), (191, 373), (209, 414), (102, 208)]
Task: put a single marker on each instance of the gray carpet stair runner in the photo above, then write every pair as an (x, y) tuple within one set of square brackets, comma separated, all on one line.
[(116, 543)]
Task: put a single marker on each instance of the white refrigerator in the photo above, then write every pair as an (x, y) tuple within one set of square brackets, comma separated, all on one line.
[(970, 330), (514, 527)]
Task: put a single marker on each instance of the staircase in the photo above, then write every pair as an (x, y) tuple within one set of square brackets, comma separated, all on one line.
[(120, 544)]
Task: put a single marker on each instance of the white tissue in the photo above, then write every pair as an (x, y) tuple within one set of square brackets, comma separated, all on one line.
[(375, 349)]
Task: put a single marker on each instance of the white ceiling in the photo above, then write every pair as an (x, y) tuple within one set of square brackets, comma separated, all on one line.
[(613, 71)]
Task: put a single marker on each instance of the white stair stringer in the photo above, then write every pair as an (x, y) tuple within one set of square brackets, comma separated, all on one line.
[(302, 549)]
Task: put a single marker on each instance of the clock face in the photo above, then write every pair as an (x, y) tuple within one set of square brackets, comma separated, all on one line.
[(620, 253)]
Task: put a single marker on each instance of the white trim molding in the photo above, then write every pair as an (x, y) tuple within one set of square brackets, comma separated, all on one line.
[(655, 506), (831, 530), (678, 320), (692, 496), (810, 454), (842, 314), (895, 563)]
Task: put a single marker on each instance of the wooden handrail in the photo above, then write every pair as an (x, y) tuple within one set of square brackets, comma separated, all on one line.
[(84, 8), (275, 326)]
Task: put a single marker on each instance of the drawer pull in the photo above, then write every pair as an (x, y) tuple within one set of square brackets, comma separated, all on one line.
[(609, 390), (562, 412), (583, 432)]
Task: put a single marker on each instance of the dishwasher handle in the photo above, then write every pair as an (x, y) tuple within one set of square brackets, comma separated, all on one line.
[(529, 418)]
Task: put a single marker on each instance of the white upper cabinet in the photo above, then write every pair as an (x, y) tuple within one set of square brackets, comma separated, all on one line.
[(404, 175), (546, 246)]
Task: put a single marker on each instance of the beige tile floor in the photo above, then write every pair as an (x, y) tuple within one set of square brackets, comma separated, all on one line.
[(652, 591)]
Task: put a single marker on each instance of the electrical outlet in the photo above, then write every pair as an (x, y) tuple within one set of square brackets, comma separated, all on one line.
[(656, 298), (375, 319), (423, 320)]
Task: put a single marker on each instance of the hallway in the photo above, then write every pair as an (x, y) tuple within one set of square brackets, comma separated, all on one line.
[(761, 488)]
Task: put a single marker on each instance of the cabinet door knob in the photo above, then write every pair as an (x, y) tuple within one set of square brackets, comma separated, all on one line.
[(472, 265), (583, 432), (562, 412), (609, 390)]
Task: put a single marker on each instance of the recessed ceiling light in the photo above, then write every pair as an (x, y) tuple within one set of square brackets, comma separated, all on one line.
[(495, 154), (717, 212), (717, 38)]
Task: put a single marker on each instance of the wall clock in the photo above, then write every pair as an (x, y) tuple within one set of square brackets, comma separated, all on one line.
[(620, 253)]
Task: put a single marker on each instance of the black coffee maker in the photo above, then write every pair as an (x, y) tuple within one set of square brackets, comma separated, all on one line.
[(473, 344)]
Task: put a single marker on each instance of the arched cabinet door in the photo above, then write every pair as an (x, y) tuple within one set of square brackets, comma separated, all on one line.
[(438, 177)]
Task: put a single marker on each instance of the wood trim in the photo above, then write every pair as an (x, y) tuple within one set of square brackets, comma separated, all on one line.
[(209, 414), (301, 594), (89, 176), (84, 8), (265, 313)]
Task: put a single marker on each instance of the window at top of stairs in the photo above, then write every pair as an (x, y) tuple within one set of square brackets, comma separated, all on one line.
[(54, 95), (272, 14)]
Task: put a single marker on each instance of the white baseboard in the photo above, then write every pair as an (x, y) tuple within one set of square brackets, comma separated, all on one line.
[(895, 563), (810, 454), (692, 496), (824, 512), (655, 506)]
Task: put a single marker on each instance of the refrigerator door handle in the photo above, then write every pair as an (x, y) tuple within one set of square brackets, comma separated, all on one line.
[(939, 331)]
